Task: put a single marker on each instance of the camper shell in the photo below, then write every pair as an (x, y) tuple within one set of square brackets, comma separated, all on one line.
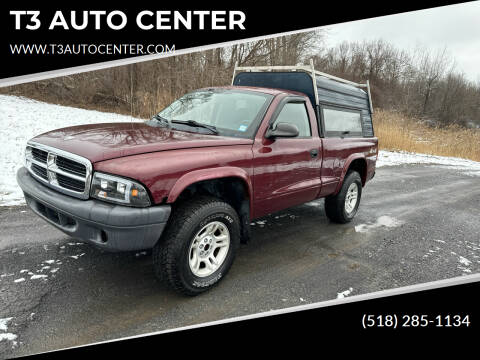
[(322, 89)]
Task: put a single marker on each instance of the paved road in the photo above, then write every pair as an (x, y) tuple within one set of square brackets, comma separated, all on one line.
[(415, 224)]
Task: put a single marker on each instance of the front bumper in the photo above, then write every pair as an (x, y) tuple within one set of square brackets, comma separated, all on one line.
[(108, 226)]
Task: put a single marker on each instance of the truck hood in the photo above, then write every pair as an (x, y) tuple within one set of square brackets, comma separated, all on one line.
[(113, 140)]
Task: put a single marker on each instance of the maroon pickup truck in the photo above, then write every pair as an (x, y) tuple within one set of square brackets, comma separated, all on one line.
[(188, 182)]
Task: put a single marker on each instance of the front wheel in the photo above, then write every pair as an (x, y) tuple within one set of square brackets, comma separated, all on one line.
[(199, 245), (343, 206)]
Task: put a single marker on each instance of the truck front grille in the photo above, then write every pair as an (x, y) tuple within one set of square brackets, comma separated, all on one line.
[(71, 167), (70, 184), (40, 171), (68, 173), (39, 155)]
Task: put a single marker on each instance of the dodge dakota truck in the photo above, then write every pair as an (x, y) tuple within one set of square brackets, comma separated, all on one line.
[(188, 182)]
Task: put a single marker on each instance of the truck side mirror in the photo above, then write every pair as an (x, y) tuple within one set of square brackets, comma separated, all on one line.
[(285, 130)]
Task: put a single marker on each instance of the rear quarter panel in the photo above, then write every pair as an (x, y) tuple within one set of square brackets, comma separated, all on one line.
[(339, 153)]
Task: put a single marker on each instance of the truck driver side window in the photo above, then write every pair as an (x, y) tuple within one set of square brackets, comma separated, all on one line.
[(295, 113)]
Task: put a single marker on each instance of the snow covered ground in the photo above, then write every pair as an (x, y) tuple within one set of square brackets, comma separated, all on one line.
[(390, 158), (4, 335), (23, 118)]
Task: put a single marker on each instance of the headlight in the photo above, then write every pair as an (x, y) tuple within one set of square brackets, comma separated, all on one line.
[(119, 190)]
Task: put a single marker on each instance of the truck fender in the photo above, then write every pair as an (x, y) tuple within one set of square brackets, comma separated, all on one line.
[(209, 174), (348, 162)]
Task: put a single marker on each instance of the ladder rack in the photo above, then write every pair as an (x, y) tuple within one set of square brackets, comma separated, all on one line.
[(308, 69)]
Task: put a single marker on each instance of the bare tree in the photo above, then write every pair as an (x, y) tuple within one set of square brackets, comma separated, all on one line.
[(431, 69)]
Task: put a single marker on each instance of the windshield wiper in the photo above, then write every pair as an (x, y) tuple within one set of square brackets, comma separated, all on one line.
[(161, 119), (194, 123)]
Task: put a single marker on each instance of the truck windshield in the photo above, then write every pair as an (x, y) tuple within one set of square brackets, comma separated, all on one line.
[(229, 112)]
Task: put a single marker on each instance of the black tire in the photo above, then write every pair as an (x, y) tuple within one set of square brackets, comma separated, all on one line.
[(335, 204), (171, 253)]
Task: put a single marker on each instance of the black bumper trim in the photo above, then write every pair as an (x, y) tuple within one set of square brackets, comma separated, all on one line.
[(108, 226)]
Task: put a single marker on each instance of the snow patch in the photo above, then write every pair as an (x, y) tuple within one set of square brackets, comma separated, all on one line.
[(19, 280), (345, 293), (38, 276), (24, 118), (465, 264), (464, 261), (382, 221), (392, 158), (4, 322), (7, 336)]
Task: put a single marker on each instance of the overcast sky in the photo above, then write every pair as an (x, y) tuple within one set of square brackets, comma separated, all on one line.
[(456, 26)]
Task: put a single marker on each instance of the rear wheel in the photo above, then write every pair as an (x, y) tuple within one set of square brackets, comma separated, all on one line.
[(343, 206), (199, 245)]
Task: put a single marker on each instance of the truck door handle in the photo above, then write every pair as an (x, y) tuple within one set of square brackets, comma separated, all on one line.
[(314, 153)]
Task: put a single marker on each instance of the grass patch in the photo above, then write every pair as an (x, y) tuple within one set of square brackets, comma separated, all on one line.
[(395, 131)]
